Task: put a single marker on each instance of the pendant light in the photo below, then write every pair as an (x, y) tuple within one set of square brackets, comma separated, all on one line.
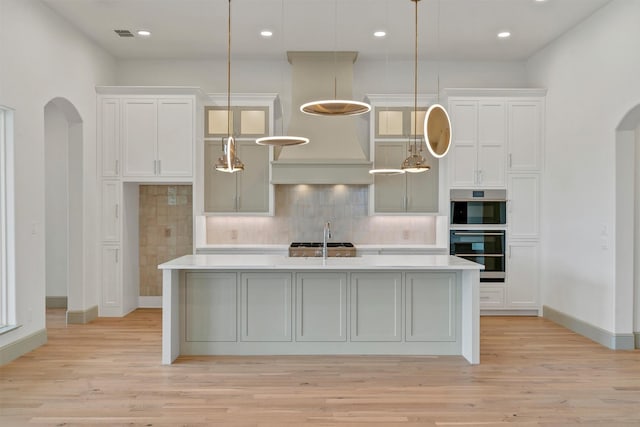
[(415, 162), (335, 107), (229, 162), (282, 141), (437, 124)]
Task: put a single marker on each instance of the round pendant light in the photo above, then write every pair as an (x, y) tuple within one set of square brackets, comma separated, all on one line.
[(437, 130), (282, 141), (228, 162), (415, 163), (335, 107), (386, 172)]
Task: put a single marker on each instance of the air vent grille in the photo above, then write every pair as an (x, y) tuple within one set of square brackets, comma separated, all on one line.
[(124, 33)]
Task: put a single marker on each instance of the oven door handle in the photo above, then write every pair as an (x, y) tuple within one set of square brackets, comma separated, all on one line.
[(470, 233), (481, 255)]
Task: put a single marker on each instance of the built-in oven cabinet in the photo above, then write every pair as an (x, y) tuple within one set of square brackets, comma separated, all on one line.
[(477, 157)]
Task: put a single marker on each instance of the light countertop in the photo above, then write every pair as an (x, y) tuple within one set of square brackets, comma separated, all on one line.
[(283, 262)]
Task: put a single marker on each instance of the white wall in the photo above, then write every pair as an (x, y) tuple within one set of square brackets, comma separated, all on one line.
[(592, 78), (56, 200), (43, 57)]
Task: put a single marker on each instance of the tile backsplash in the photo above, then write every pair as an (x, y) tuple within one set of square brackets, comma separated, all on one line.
[(166, 231), (301, 211)]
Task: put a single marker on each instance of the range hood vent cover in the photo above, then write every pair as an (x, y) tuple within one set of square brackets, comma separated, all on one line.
[(334, 155)]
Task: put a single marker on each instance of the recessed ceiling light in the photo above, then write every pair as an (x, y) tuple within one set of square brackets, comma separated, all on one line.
[(380, 33), (144, 33), (540, 1), (504, 34), (266, 33)]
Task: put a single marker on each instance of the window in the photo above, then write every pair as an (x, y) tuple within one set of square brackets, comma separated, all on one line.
[(7, 291)]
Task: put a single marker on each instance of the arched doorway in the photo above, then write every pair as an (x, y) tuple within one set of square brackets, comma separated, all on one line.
[(627, 292), (63, 204)]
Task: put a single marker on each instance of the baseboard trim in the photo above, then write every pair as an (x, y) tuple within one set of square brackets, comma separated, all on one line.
[(637, 334), (82, 316), (594, 333), (56, 302), (150, 301), (501, 312), (22, 346)]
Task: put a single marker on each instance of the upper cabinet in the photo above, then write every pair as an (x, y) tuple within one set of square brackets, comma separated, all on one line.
[(393, 125), (525, 135), (158, 137), (146, 136), (477, 154), (247, 192)]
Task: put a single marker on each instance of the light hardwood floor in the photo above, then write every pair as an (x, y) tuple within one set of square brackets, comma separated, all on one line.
[(108, 373)]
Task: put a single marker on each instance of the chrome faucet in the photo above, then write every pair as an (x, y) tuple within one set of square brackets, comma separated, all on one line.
[(326, 235)]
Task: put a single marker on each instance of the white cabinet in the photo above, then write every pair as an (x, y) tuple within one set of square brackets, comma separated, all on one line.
[(211, 301), (523, 210), (392, 128), (410, 192), (247, 191), (111, 205), (321, 307), (430, 300), (158, 137), (111, 280), (376, 307), (523, 265), (477, 155), (265, 307), (525, 135), (109, 136)]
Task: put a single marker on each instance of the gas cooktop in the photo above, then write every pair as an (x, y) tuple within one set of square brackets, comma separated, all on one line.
[(314, 249)]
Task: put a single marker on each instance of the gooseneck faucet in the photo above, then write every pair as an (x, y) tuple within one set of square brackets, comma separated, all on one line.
[(326, 235)]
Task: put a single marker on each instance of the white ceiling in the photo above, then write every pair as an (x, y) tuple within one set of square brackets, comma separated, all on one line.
[(448, 29)]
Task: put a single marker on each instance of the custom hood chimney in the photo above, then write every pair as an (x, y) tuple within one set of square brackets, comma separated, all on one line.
[(334, 154)]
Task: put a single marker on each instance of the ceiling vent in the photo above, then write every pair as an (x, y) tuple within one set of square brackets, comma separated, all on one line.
[(124, 33)]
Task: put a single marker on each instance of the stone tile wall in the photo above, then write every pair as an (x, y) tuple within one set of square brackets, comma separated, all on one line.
[(166, 231)]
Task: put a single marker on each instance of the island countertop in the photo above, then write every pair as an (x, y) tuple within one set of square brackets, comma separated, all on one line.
[(284, 262)]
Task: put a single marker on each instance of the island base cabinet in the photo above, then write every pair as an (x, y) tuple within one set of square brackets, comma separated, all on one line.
[(211, 301), (321, 307), (265, 306), (376, 307), (431, 307)]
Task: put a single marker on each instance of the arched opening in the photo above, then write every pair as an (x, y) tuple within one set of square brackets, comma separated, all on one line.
[(63, 204), (627, 292)]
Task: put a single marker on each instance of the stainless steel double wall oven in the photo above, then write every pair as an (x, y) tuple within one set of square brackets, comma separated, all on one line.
[(478, 230)]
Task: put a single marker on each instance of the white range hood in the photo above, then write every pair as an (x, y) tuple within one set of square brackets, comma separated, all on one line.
[(334, 155)]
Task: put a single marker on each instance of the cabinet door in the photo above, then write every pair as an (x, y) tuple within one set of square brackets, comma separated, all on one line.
[(253, 182), (211, 307), (139, 137), (376, 307), (431, 301), (111, 280), (463, 156), (522, 275), (175, 137), (492, 132), (525, 135), (111, 211), (265, 306), (321, 307), (109, 131), (523, 206), (390, 190), (219, 187)]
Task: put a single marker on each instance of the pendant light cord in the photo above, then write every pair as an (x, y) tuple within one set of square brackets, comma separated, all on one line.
[(229, 74), (415, 84)]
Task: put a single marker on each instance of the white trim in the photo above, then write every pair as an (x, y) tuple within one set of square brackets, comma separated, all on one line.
[(7, 239), (150, 301)]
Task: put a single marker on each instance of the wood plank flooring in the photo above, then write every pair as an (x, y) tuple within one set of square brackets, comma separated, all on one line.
[(108, 373)]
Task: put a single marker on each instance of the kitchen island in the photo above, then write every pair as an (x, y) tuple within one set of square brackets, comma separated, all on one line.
[(275, 304)]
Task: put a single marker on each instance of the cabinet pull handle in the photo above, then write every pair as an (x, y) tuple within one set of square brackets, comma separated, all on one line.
[(117, 210), (159, 167), (480, 177), (117, 251), (117, 167), (510, 160)]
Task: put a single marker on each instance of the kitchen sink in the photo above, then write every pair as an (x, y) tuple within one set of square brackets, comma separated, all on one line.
[(314, 249)]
